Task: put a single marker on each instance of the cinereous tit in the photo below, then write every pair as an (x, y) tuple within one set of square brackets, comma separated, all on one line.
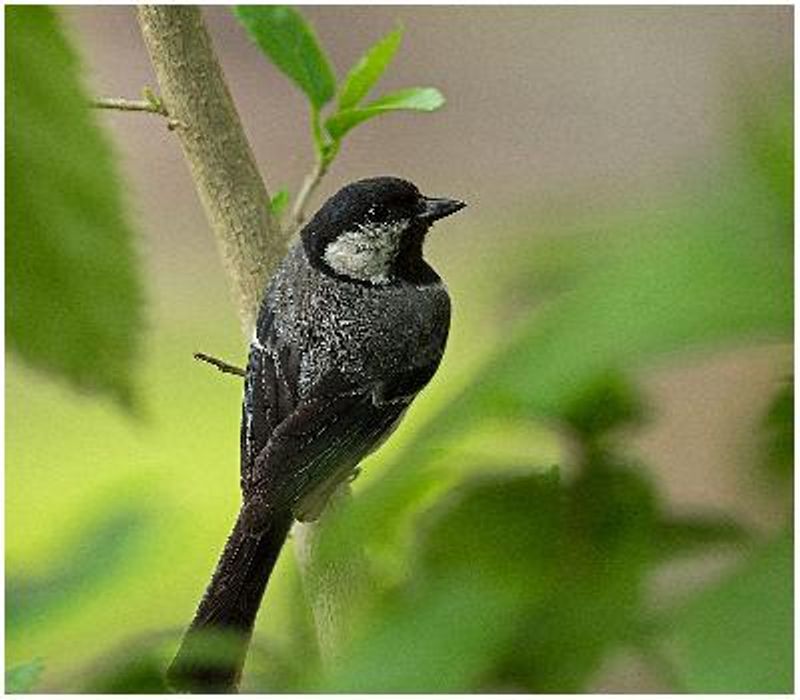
[(353, 325)]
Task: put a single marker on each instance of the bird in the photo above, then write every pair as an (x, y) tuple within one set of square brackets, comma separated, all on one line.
[(352, 326)]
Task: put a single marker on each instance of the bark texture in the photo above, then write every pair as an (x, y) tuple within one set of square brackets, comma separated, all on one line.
[(224, 170)]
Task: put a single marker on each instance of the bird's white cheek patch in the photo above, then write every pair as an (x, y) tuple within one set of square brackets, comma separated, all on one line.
[(367, 252)]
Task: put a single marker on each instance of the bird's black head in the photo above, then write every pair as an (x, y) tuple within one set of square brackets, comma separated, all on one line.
[(371, 231)]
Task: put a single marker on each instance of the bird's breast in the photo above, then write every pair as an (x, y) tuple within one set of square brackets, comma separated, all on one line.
[(361, 332)]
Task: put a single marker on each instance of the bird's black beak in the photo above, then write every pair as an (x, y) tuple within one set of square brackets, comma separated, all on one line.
[(433, 209)]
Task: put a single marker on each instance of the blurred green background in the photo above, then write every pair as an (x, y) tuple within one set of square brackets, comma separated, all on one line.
[(622, 285)]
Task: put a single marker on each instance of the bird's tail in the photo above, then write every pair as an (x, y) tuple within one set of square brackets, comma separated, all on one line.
[(213, 650)]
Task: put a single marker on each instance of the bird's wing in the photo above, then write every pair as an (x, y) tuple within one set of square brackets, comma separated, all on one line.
[(319, 444), (294, 450), (270, 394)]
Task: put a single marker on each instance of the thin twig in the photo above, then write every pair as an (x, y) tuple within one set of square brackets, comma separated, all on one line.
[(127, 105), (221, 365), (151, 104), (309, 185)]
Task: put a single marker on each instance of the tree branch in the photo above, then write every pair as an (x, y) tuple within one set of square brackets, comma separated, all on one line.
[(221, 365), (151, 105), (335, 587), (250, 240), (231, 190), (127, 105)]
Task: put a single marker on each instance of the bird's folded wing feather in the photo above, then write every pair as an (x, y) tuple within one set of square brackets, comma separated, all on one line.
[(270, 393), (292, 449), (318, 446)]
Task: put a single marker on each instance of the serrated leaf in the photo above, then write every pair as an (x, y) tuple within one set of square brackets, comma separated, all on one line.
[(369, 69), (72, 288), (289, 41), (278, 202), (22, 678), (415, 99)]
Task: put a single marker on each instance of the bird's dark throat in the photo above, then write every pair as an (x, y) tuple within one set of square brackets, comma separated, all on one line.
[(409, 265)]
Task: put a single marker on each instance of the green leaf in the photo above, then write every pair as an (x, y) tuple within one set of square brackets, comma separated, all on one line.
[(596, 601), (436, 641), (22, 678), (737, 636), (278, 202), (425, 99), (284, 36), (368, 70), (443, 631), (517, 581), (529, 506), (72, 287)]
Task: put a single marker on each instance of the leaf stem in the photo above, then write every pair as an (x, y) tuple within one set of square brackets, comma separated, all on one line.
[(310, 184), (326, 150)]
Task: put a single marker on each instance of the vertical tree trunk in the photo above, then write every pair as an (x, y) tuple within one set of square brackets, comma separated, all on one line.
[(250, 242), (224, 170)]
